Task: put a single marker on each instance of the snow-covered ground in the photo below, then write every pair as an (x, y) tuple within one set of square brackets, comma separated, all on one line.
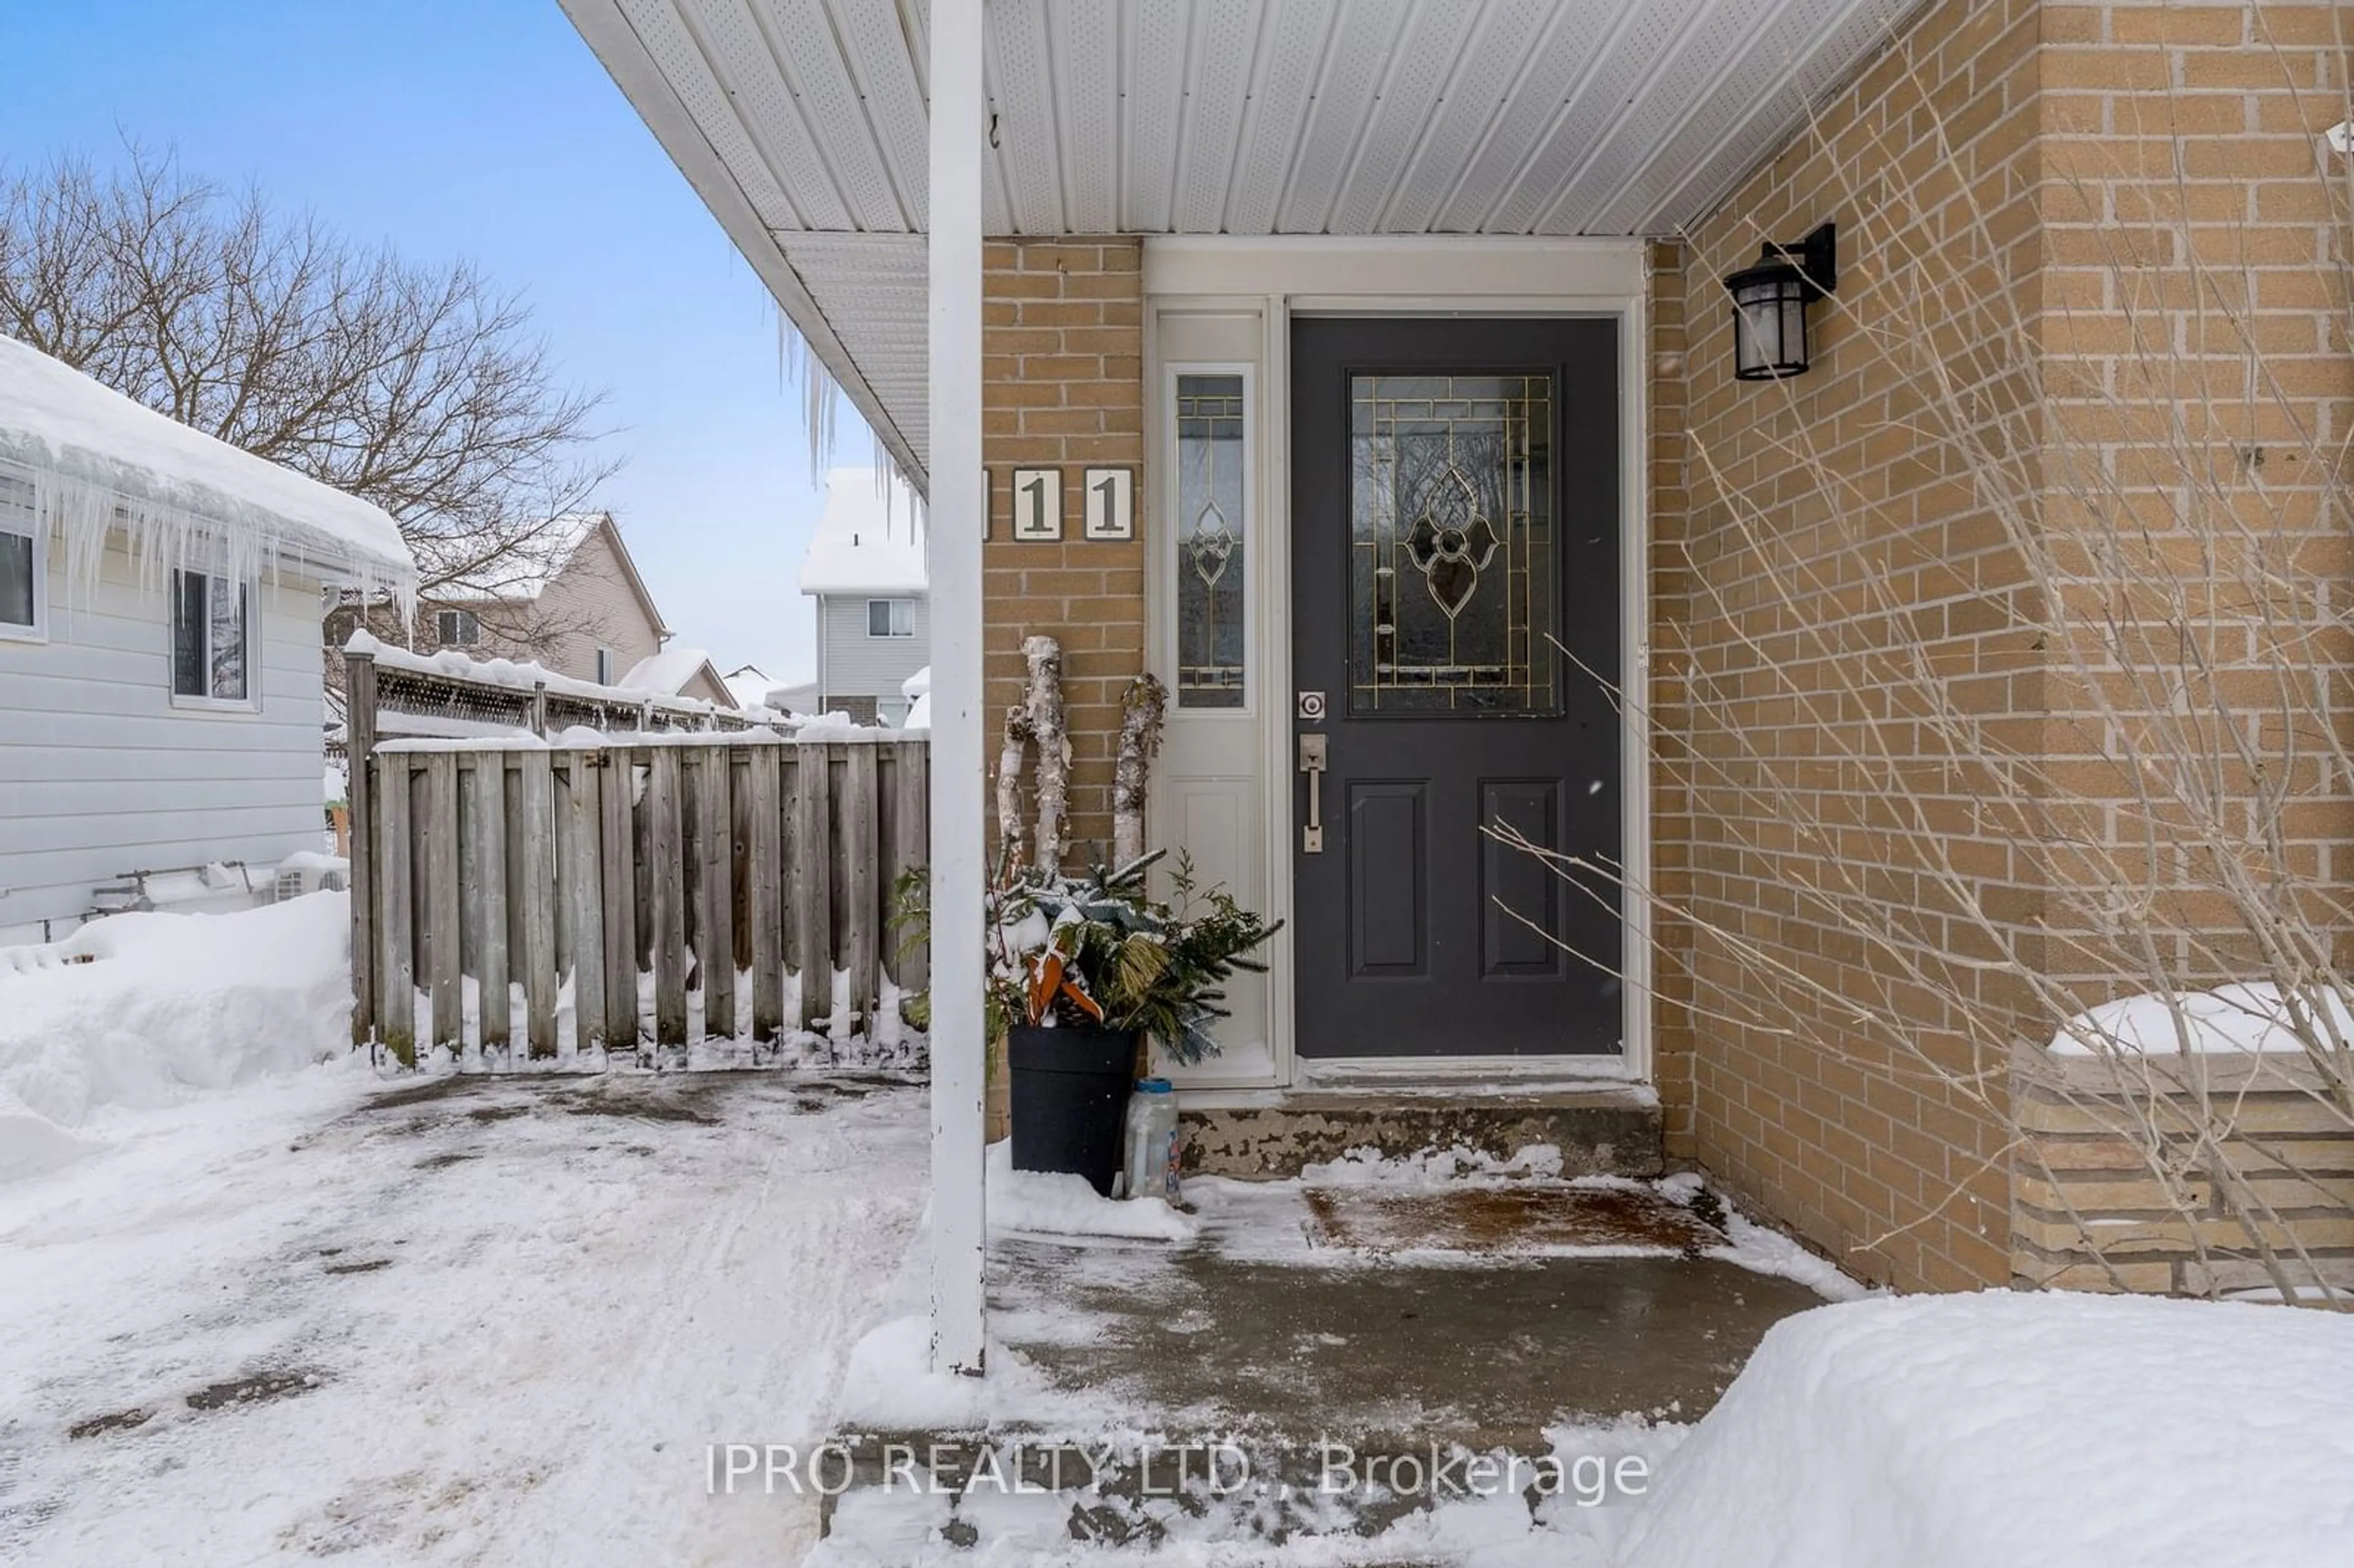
[(493, 1321), (139, 1012), (258, 1301)]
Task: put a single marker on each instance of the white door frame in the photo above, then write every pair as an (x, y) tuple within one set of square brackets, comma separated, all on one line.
[(1278, 280)]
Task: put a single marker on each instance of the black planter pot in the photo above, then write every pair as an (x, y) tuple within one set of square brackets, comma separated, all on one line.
[(1070, 1097)]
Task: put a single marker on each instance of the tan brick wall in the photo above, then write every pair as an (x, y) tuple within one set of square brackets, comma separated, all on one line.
[(2196, 262), (1063, 372), (2031, 197), (1806, 545), (1672, 829)]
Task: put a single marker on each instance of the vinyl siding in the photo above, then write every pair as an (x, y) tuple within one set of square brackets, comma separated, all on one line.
[(103, 776), (852, 665)]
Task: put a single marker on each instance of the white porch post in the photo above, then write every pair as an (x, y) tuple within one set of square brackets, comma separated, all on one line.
[(960, 863)]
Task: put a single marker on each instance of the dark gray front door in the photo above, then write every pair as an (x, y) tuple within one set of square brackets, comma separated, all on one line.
[(1455, 514)]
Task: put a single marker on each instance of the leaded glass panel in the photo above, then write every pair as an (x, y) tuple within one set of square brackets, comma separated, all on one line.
[(1211, 533), (1452, 601)]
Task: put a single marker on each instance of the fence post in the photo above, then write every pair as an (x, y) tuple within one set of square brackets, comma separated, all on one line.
[(359, 750), (539, 709)]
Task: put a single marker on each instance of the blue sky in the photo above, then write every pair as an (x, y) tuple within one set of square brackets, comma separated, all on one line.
[(486, 129)]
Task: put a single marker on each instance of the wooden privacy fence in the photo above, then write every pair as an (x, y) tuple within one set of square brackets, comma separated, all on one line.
[(745, 871)]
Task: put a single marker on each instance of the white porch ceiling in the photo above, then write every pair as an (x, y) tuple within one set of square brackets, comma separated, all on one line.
[(802, 123)]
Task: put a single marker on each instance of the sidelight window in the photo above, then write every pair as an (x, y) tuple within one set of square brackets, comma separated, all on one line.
[(1212, 534)]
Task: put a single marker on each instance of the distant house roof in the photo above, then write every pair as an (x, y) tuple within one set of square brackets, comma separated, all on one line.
[(749, 685), (95, 456), (671, 672), (522, 575), (802, 698), (870, 538)]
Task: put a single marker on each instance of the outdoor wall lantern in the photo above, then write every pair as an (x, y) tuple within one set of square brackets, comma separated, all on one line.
[(1770, 300)]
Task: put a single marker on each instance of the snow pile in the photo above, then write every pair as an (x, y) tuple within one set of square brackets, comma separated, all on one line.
[(870, 538), (917, 689), (1957, 1431), (167, 1006), (2253, 1018), (1047, 1203)]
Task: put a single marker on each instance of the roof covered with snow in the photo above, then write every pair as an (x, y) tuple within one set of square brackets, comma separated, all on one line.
[(100, 461), (749, 685), (668, 671), (870, 538)]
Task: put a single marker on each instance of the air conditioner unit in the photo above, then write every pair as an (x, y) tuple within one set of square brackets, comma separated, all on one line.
[(304, 874)]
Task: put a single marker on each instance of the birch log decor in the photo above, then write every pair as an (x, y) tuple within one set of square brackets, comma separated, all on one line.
[(1141, 709), (1009, 782), (1044, 706)]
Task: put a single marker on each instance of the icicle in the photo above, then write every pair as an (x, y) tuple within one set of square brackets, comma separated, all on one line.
[(87, 518), (815, 385)]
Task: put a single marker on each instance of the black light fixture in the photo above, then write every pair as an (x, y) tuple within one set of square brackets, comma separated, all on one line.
[(1770, 300)]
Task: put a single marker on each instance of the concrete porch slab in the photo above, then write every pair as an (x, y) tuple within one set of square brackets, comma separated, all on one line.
[(1145, 1390), (1277, 1327)]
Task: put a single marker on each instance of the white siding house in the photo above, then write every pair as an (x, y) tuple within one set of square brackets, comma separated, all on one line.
[(866, 569), (160, 672)]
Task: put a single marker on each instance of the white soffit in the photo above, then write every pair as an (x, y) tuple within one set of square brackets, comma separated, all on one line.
[(801, 123)]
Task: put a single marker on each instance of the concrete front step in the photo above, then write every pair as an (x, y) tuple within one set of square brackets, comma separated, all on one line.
[(1601, 1131)]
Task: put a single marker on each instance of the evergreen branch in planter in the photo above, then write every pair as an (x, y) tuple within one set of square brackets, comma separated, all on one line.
[(1097, 949)]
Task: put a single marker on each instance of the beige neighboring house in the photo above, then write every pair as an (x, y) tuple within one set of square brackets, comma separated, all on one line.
[(574, 604)]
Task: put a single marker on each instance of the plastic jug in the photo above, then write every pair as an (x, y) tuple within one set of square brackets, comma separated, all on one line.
[(1151, 1143)]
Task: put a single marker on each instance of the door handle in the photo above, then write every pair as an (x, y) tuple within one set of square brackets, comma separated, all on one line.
[(1311, 763)]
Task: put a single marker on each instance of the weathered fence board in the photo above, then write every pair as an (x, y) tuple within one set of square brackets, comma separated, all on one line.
[(760, 835), (744, 875), (437, 834), (580, 917), (861, 899), (617, 869), (667, 871), (483, 863), (394, 916), (813, 873), (534, 854)]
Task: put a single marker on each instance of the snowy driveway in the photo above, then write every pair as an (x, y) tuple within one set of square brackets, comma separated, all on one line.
[(460, 1321)]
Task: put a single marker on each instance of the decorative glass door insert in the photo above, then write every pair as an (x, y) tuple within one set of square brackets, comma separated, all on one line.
[(1451, 603)]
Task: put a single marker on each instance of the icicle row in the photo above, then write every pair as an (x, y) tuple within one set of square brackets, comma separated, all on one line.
[(86, 518)]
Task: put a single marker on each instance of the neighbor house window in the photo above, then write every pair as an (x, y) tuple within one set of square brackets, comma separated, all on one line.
[(23, 561), (890, 618), (212, 638), (457, 629), (604, 666)]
